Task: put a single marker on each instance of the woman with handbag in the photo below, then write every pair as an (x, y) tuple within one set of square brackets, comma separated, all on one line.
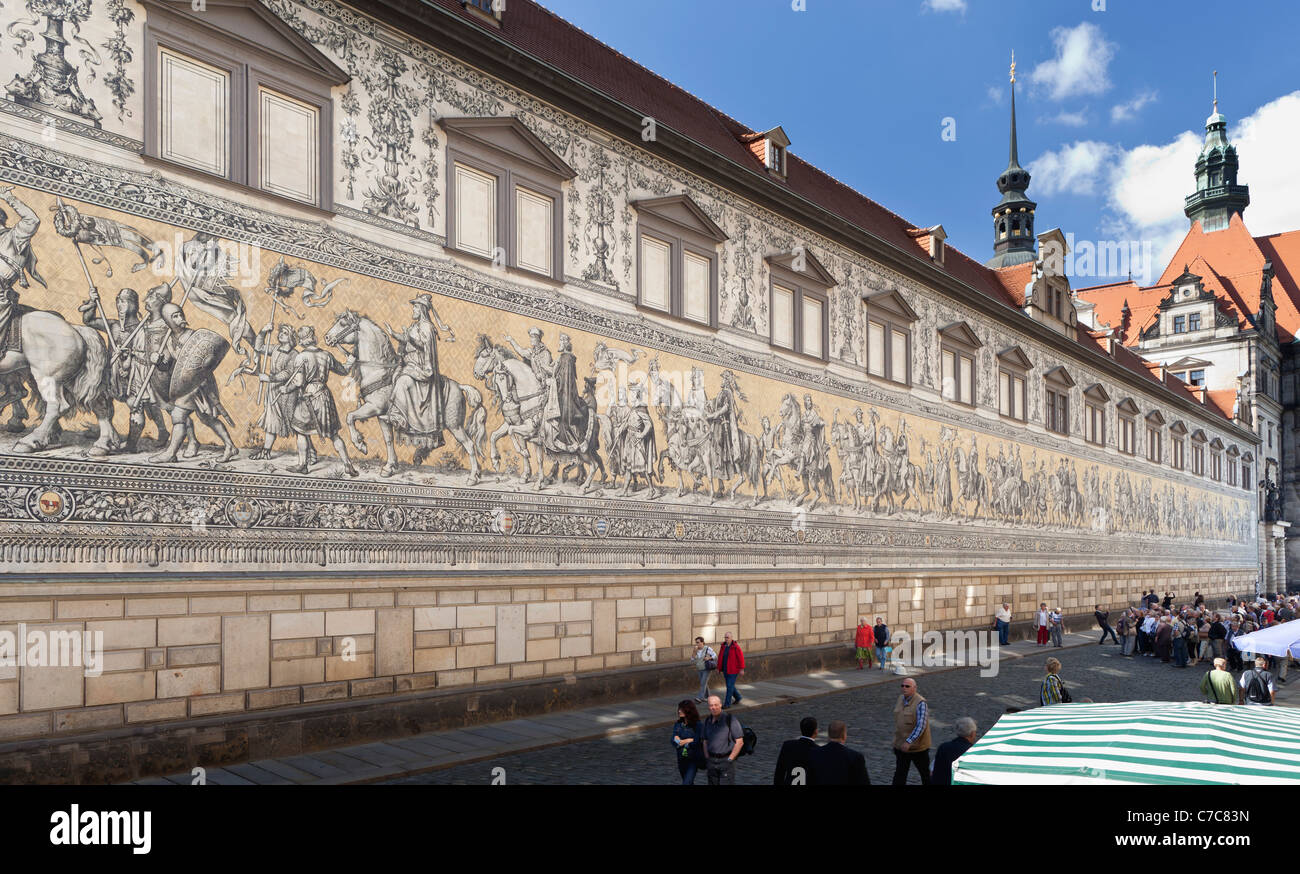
[(705, 661), (688, 742)]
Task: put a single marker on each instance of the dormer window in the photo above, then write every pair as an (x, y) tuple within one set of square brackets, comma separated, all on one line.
[(488, 10), (1180, 324), (770, 148), (775, 158)]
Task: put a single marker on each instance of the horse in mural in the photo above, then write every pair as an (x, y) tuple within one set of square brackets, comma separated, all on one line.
[(790, 452), (69, 365), (521, 398), (687, 448), (374, 371), (902, 478), (853, 460)]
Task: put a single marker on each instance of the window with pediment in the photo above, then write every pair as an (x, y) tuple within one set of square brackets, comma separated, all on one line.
[(234, 93), (799, 303), (958, 351), (1013, 369), (889, 336), (1056, 400), (1095, 399), (677, 260)]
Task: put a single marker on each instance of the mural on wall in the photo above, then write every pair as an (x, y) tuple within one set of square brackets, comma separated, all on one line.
[(349, 376), (156, 353)]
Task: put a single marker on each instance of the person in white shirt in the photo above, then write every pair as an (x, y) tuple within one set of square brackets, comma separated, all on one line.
[(1042, 624), (704, 655), (1149, 634), (1002, 621), (1056, 628)]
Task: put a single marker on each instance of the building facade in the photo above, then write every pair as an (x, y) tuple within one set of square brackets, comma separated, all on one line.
[(461, 351), (1223, 318)]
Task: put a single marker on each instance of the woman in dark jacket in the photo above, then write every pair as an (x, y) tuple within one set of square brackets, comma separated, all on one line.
[(688, 742), (1164, 639), (881, 633)]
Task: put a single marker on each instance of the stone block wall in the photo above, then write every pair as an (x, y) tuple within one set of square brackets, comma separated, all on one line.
[(187, 650)]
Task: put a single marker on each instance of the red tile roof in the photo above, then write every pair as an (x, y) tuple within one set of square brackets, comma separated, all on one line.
[(540, 33), (1222, 400)]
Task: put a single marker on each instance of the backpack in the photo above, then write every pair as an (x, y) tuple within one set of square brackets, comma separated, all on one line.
[(1065, 695), (750, 736), (1257, 688)]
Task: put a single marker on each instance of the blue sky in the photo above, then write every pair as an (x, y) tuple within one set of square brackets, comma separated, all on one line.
[(1111, 102)]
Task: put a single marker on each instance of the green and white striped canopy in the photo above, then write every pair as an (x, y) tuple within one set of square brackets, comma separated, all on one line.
[(1137, 742)]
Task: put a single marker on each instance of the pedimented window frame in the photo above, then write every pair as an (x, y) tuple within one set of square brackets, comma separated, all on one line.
[(889, 309), (1095, 401), (504, 148), (1057, 384), (961, 342), (813, 282), (1015, 365), (680, 223), (255, 50)]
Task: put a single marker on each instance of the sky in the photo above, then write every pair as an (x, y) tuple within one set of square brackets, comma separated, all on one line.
[(1111, 101)]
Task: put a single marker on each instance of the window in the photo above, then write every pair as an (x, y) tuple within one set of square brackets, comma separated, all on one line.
[(1178, 446), (1155, 437), (1127, 411), (505, 202), (1216, 460), (1198, 459), (678, 260), (1196, 377), (1056, 404), (1232, 471), (1095, 399), (958, 345), (239, 97), (1180, 324), (775, 157), (1013, 365), (1245, 475), (1194, 322), (799, 289), (889, 336)]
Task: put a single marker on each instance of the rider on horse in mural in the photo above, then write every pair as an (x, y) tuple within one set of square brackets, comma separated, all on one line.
[(417, 391)]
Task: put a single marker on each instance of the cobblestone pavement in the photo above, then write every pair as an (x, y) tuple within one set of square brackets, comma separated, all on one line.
[(645, 757)]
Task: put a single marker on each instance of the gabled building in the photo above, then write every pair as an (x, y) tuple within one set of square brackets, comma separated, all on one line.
[(1223, 317)]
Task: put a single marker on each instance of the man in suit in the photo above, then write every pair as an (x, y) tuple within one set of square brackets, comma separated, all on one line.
[(837, 765), (948, 752), (797, 754)]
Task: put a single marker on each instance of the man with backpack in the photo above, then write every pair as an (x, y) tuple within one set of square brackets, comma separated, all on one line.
[(724, 738), (1257, 684)]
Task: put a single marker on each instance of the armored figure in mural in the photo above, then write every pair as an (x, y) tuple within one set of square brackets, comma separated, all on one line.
[(279, 399), (416, 410), (723, 417), (537, 356), (190, 356), (17, 262), (129, 372), (664, 395), (313, 410)]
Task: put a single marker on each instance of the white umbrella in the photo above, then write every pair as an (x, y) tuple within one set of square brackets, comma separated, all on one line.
[(1276, 640)]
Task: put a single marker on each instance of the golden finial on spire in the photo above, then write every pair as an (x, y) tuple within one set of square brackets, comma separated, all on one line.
[(1216, 90), (1013, 66)]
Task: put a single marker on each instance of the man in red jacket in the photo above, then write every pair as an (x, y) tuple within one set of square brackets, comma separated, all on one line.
[(731, 664)]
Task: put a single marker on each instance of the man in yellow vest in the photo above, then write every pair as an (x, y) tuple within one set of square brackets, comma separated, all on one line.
[(911, 735)]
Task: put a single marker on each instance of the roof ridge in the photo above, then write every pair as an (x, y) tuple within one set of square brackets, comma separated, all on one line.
[(670, 83)]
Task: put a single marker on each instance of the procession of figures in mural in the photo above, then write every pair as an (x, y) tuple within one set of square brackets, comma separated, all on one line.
[(530, 412)]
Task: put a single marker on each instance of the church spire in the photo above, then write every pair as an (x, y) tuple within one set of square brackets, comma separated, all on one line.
[(1217, 194), (1013, 217)]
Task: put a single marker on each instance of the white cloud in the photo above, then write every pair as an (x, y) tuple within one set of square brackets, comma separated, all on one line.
[(1080, 168), (996, 93), (1080, 65), (1069, 119), (944, 6), (1129, 111), (1146, 187)]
